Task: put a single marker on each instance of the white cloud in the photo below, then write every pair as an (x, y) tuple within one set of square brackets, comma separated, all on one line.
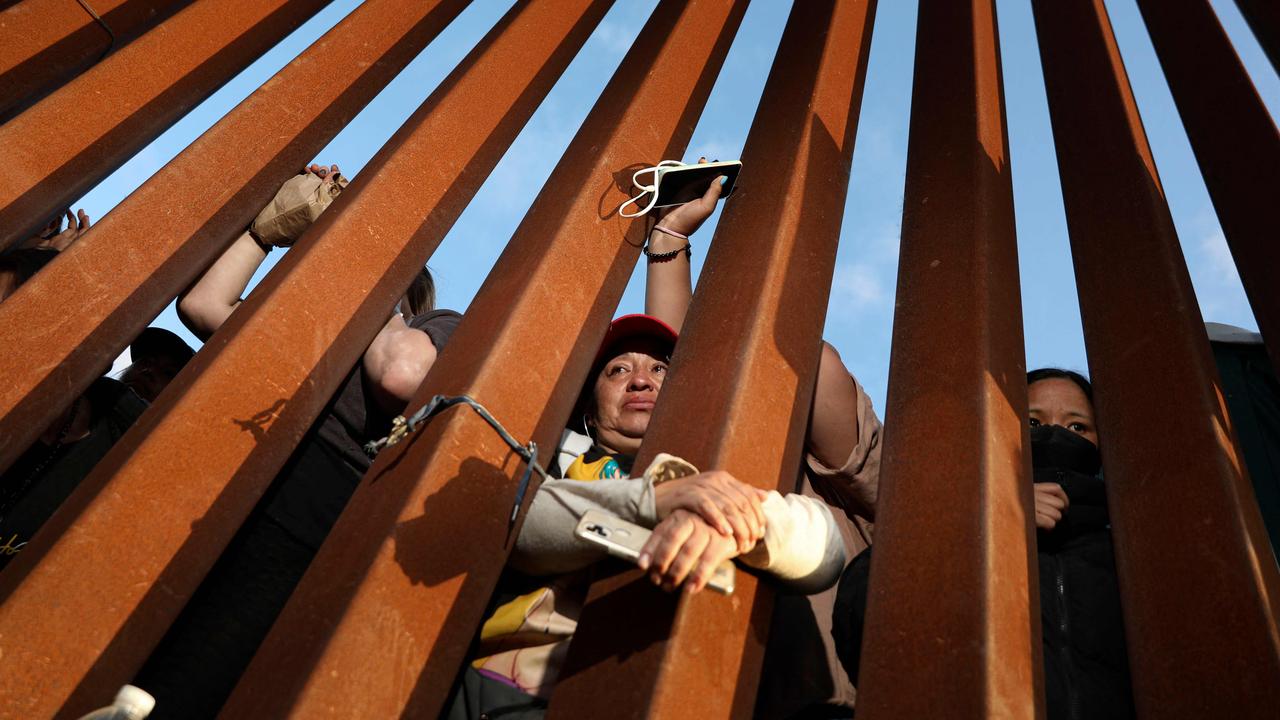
[(1215, 277), (856, 286), (612, 37), (715, 148), (1218, 256)]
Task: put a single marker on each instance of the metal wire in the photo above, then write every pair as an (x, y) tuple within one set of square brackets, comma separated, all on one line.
[(401, 426), (94, 14)]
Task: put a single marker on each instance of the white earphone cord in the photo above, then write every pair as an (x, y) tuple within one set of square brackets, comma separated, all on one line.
[(646, 189)]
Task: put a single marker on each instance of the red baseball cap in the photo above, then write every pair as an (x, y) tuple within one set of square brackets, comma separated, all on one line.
[(637, 325)]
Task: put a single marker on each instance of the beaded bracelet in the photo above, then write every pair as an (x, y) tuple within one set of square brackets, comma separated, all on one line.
[(662, 257)]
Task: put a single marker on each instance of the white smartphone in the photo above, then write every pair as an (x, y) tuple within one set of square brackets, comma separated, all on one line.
[(625, 540), (679, 185)]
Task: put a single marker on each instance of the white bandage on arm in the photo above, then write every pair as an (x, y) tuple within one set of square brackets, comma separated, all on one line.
[(802, 547)]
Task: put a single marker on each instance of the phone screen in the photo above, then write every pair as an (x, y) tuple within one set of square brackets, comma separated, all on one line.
[(680, 185)]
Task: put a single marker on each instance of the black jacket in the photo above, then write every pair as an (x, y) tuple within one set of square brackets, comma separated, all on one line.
[(1086, 673), (1085, 667)]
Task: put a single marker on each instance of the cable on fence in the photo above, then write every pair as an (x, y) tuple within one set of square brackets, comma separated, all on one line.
[(401, 426), (110, 34)]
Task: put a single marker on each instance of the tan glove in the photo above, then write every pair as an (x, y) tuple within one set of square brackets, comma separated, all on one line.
[(297, 204)]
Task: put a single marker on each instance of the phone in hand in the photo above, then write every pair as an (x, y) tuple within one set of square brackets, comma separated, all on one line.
[(624, 540), (679, 185)]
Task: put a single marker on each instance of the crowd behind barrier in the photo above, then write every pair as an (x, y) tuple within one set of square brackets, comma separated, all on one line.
[(699, 519), (814, 545)]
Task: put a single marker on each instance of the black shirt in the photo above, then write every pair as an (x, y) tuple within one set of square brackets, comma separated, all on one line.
[(44, 476), (313, 487)]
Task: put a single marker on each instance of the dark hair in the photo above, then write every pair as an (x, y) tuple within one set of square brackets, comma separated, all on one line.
[(421, 293), (20, 265), (1051, 373), (28, 261)]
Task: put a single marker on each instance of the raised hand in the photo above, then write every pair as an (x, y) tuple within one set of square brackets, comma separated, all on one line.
[(54, 237), (687, 218)]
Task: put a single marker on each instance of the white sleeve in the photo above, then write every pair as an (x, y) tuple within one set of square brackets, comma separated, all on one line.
[(547, 544), (802, 547)]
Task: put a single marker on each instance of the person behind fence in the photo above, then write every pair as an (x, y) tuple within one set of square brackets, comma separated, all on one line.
[(156, 357), (196, 665), (1086, 672), (801, 675), (46, 473), (54, 237), (700, 519)]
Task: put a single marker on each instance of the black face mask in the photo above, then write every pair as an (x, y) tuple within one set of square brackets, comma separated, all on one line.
[(1053, 446)]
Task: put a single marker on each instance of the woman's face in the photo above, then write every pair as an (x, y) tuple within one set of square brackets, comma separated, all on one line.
[(1058, 401), (626, 390)]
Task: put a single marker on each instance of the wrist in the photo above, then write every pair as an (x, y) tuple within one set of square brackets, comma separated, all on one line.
[(671, 230), (660, 242), (662, 500), (264, 246), (665, 244)]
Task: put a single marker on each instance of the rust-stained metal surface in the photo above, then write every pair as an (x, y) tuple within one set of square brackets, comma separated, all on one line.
[(950, 630), (65, 144), (47, 42), (1263, 17), (1235, 142), (742, 376), (382, 621), (166, 475), (1199, 583), (65, 326)]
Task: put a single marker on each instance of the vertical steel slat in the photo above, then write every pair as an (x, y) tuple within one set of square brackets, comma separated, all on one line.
[(1235, 142), (64, 326), (65, 144), (383, 618), (1199, 584), (197, 448), (1263, 17), (47, 42), (741, 382), (952, 622)]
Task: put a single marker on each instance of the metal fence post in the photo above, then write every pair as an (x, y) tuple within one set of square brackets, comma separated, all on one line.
[(952, 623), (1199, 584), (63, 145), (1235, 142), (48, 42)]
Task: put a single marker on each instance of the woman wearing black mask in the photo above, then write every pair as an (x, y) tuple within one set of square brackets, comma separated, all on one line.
[(1085, 668), (1086, 674)]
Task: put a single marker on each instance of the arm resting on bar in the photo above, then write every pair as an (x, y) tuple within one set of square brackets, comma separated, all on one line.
[(802, 547)]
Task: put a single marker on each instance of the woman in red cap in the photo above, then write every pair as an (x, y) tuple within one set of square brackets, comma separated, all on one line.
[(700, 519)]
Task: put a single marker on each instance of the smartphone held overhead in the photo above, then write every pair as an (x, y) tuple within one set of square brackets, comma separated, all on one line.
[(676, 183)]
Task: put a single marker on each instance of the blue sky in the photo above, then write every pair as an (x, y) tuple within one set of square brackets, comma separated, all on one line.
[(860, 314)]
